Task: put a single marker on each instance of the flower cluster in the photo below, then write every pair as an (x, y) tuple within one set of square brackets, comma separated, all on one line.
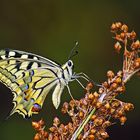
[(97, 110), (39, 127), (131, 62)]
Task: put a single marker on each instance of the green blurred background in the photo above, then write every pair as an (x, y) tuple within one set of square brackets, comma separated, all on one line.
[(50, 28)]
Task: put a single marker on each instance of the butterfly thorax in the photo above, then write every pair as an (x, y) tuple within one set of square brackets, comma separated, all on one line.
[(67, 71)]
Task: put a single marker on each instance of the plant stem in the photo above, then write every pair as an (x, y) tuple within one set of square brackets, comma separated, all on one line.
[(82, 125)]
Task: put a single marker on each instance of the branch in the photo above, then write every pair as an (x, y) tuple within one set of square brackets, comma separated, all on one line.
[(91, 115)]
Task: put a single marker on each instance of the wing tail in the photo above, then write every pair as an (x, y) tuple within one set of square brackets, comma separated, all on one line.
[(56, 96)]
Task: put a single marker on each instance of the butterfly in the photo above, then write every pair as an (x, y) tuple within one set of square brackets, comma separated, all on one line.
[(30, 77)]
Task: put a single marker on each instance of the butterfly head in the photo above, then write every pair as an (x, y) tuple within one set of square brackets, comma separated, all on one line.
[(67, 69)]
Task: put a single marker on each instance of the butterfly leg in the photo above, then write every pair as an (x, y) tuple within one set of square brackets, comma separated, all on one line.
[(80, 84), (84, 76), (81, 75), (70, 92)]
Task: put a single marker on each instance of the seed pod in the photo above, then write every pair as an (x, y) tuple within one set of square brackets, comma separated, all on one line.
[(36, 125), (117, 47), (113, 27), (110, 74), (137, 63), (37, 136), (56, 121), (107, 106), (124, 28), (93, 117), (91, 137), (91, 96), (123, 120), (132, 35)]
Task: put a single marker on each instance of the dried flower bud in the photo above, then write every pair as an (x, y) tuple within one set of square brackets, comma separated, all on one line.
[(128, 107), (113, 27), (123, 120), (137, 63), (91, 137), (41, 122), (70, 127), (110, 74), (98, 121), (105, 84), (96, 95), (118, 80), (85, 102), (56, 138), (36, 125), (104, 134), (72, 103), (120, 73), (52, 129), (98, 104), (118, 24), (135, 45), (81, 114), (101, 90), (50, 136), (93, 131), (132, 35), (115, 104), (121, 89), (93, 117), (107, 106), (71, 113), (120, 113), (122, 36), (91, 96), (113, 86), (37, 136), (106, 124), (65, 107), (118, 37), (127, 53), (117, 47), (56, 121), (89, 86), (112, 110), (44, 134), (124, 28)]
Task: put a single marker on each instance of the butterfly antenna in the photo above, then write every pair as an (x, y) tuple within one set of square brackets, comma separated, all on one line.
[(73, 52)]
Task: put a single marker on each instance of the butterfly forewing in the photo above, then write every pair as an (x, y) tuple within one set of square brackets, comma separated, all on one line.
[(30, 77)]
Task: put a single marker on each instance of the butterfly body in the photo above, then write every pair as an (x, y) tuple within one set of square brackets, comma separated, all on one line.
[(30, 77)]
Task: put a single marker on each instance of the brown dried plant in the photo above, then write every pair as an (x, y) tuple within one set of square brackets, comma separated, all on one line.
[(91, 115)]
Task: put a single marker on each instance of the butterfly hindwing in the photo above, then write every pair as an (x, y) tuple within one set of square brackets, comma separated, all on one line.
[(31, 96)]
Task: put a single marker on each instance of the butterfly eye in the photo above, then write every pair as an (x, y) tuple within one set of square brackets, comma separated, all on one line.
[(70, 63)]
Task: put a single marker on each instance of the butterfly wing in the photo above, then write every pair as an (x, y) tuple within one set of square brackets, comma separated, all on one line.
[(56, 96), (9, 53), (30, 77)]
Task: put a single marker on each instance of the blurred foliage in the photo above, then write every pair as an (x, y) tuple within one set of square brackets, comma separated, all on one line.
[(50, 28)]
